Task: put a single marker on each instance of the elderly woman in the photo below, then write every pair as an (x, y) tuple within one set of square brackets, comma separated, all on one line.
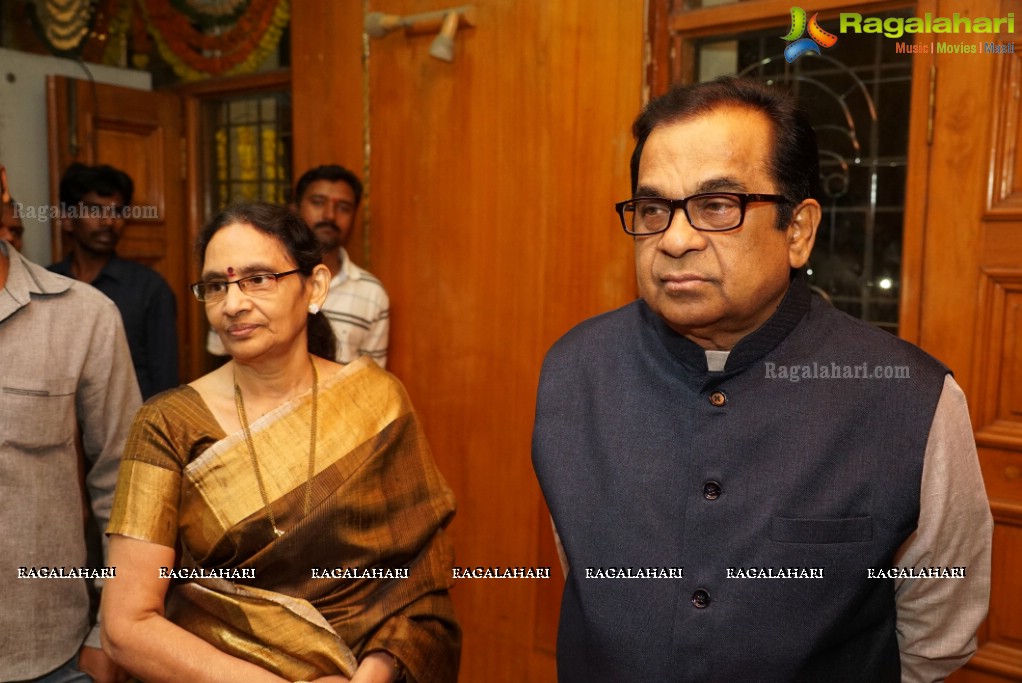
[(281, 518)]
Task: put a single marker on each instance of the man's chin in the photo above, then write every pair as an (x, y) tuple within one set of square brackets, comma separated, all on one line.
[(328, 237)]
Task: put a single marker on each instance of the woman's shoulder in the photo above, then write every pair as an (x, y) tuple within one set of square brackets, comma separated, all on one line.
[(364, 379), (178, 415)]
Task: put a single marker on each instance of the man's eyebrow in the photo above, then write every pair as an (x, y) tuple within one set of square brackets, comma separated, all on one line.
[(649, 191), (722, 184)]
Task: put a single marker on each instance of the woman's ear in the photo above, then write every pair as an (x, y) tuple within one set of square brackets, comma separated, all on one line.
[(319, 283)]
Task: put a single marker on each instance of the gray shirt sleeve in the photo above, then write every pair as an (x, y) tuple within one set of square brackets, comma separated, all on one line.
[(106, 401), (937, 618)]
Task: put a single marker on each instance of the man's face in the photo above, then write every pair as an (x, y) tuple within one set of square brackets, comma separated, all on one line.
[(715, 288), (328, 207), (11, 228), (98, 224)]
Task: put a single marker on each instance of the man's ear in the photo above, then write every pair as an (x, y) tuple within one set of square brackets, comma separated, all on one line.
[(805, 220)]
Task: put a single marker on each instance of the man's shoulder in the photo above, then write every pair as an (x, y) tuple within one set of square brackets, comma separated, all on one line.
[(359, 274), (135, 271), (61, 267), (840, 327), (86, 298)]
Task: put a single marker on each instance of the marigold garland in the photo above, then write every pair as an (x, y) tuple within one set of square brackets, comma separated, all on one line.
[(241, 49)]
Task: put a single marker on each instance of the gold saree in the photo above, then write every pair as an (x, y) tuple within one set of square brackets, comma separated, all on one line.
[(378, 503)]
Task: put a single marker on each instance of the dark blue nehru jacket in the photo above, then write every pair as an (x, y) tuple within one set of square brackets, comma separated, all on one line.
[(646, 459)]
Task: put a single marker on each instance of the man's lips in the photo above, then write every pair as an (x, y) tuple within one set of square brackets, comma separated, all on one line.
[(682, 282)]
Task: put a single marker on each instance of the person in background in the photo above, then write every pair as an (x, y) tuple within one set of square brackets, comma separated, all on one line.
[(774, 462), (357, 306), (95, 201), (64, 367), (271, 474)]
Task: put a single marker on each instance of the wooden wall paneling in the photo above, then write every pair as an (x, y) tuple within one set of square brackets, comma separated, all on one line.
[(493, 179), (327, 94), (924, 74), (956, 197), (972, 280)]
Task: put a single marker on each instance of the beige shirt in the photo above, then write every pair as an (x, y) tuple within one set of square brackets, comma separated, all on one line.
[(64, 363)]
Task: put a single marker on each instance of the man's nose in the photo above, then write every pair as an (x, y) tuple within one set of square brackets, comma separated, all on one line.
[(681, 237)]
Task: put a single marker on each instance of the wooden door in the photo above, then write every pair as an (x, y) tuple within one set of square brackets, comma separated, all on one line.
[(139, 132), (970, 310), (493, 179)]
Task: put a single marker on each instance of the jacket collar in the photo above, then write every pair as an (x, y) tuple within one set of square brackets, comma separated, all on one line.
[(750, 348)]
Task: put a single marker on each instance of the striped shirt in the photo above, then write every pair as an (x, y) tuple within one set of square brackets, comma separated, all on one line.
[(359, 311)]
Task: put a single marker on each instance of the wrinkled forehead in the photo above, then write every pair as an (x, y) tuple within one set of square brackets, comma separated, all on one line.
[(724, 148)]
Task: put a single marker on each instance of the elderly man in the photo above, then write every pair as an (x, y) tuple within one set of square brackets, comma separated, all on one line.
[(720, 521), (64, 368)]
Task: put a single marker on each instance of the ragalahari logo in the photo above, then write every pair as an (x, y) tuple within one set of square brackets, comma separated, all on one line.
[(817, 36)]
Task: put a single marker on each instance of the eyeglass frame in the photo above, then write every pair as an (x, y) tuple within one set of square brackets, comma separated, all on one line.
[(743, 197), (196, 286)]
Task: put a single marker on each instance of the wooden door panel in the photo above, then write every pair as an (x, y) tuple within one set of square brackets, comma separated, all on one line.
[(973, 281), (139, 132)]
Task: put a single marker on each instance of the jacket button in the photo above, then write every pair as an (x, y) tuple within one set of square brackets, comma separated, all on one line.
[(718, 398), (701, 599), (711, 490)]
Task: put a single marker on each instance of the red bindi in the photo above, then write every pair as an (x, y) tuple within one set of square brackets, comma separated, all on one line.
[(230, 270)]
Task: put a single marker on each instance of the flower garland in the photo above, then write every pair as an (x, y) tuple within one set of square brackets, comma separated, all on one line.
[(193, 54), (120, 22), (212, 13), (63, 26)]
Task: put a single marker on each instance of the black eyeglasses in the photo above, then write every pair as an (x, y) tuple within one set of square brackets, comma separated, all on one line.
[(710, 211), (260, 284)]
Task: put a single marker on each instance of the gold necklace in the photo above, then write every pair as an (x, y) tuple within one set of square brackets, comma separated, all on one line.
[(239, 403)]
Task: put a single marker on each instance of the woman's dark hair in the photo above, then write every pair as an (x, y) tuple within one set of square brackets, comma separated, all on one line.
[(298, 241)]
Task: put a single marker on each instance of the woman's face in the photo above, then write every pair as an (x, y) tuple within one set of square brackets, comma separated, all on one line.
[(256, 325)]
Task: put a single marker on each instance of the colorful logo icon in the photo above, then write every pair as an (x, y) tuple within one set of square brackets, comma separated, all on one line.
[(817, 36)]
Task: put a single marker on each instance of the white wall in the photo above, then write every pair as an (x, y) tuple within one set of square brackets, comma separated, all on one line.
[(23, 129)]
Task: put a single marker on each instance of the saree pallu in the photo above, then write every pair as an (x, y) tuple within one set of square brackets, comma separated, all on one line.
[(377, 503)]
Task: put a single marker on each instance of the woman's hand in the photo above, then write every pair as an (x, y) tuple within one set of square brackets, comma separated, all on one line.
[(332, 679), (377, 667)]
